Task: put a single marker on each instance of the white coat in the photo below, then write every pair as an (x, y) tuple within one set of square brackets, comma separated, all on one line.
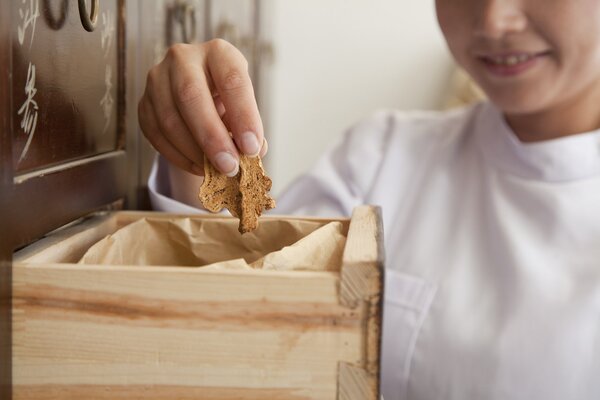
[(493, 251)]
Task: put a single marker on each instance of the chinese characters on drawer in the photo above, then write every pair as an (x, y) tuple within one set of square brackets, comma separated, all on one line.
[(66, 104), (106, 103), (28, 112)]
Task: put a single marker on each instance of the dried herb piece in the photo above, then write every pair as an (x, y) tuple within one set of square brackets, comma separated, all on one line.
[(244, 195)]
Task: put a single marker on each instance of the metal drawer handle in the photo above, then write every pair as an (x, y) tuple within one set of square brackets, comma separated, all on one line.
[(88, 20), (53, 23), (185, 15)]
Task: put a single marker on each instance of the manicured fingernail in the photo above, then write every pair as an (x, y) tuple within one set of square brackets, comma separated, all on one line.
[(250, 144), (227, 163), (265, 148)]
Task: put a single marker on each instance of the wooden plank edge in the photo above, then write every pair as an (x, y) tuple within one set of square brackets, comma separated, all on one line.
[(355, 383), (169, 269), (152, 392), (361, 284), (86, 230), (363, 258)]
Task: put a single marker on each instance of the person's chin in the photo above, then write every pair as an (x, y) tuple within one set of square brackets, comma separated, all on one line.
[(516, 104)]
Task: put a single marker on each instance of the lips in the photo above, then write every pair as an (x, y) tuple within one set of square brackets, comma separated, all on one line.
[(508, 60), (510, 63)]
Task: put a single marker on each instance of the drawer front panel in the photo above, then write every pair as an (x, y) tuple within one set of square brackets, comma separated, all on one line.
[(67, 86), (142, 332)]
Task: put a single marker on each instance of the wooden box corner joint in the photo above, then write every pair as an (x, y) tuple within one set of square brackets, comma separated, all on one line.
[(361, 284)]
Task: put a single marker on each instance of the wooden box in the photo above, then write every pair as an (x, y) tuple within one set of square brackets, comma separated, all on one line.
[(133, 332)]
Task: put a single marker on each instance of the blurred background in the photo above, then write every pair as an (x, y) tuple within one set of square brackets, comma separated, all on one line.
[(320, 66), (336, 62)]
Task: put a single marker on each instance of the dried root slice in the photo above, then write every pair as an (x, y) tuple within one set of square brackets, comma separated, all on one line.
[(219, 191), (254, 187), (244, 195)]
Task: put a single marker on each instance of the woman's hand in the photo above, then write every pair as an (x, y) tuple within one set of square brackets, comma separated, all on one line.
[(193, 99)]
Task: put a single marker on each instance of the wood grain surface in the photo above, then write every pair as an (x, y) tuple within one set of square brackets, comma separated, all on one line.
[(75, 78), (85, 331), (6, 240)]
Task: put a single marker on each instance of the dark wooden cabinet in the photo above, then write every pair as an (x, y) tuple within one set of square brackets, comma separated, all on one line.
[(65, 114), (69, 137), (67, 83)]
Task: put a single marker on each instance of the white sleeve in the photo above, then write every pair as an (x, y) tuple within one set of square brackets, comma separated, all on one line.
[(339, 181), (159, 189)]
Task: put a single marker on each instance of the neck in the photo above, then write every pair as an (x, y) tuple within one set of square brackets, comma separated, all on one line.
[(561, 120)]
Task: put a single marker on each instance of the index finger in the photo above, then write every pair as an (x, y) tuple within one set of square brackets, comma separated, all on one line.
[(192, 95), (229, 71)]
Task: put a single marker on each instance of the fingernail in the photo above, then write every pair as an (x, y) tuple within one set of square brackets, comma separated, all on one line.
[(227, 163), (265, 148), (250, 144)]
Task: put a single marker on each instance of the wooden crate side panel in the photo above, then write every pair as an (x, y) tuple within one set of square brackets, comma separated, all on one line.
[(178, 283), (94, 330)]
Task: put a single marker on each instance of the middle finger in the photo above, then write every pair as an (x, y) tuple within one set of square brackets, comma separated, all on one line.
[(171, 123)]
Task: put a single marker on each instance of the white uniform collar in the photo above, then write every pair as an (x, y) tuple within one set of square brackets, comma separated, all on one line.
[(564, 159)]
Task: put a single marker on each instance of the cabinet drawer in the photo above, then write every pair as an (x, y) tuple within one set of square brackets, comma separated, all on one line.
[(117, 332), (67, 82)]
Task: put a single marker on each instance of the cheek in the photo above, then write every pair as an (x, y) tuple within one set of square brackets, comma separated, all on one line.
[(578, 59), (575, 35), (453, 26), (445, 16), (587, 46)]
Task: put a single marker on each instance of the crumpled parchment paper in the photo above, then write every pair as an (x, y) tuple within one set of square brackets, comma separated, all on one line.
[(215, 244)]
